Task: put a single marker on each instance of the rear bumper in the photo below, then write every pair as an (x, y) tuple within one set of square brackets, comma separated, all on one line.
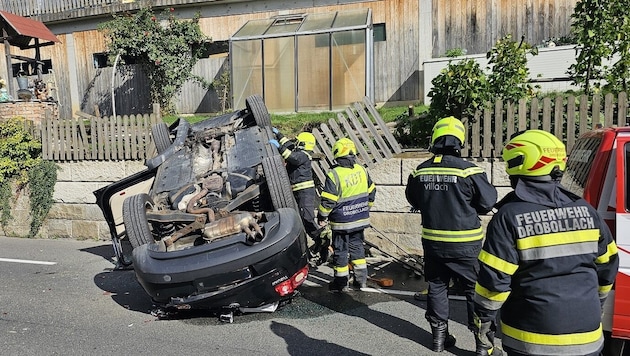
[(226, 273)]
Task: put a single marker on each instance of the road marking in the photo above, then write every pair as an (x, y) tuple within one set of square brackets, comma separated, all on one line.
[(27, 261)]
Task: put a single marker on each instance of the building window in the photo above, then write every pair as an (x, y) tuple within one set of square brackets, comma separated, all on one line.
[(30, 68), (379, 32), (212, 48), (101, 60)]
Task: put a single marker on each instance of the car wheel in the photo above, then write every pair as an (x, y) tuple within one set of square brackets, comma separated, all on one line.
[(278, 183), (256, 106), (161, 137), (135, 220)]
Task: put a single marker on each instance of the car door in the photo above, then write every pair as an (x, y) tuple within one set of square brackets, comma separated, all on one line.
[(621, 317)]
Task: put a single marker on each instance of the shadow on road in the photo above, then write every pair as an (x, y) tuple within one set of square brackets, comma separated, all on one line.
[(300, 344), (357, 304), (124, 289), (104, 251)]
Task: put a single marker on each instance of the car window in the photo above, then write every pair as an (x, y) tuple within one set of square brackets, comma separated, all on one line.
[(579, 164)]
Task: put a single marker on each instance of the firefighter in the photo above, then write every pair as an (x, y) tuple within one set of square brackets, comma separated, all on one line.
[(548, 261), (450, 193), (346, 200), (298, 158)]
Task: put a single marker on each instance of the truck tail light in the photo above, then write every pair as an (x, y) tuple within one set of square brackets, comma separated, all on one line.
[(290, 285)]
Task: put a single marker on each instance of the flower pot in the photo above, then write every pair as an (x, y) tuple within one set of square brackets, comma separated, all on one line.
[(22, 82)]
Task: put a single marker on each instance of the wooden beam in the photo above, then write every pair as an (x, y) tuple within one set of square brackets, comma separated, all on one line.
[(7, 52), (26, 59)]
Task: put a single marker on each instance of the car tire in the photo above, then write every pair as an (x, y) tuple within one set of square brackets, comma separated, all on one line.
[(278, 183), (256, 105), (135, 220), (161, 137)]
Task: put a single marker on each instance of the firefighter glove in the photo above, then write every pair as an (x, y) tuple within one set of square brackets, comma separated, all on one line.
[(275, 143)]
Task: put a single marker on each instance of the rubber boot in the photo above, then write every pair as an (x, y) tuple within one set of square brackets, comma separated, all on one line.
[(486, 347), (441, 338), (360, 278), (339, 285)]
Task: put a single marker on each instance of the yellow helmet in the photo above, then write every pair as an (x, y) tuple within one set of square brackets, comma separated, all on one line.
[(534, 153), (344, 147), (306, 141), (448, 126)]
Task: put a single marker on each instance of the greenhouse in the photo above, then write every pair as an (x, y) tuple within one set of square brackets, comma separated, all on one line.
[(304, 62)]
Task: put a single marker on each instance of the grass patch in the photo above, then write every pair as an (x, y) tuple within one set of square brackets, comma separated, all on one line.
[(294, 123)]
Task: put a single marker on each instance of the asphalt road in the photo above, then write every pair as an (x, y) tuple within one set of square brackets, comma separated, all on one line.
[(63, 297)]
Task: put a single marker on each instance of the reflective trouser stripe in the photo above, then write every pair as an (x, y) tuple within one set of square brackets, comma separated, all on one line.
[(303, 185), (341, 271), (361, 263)]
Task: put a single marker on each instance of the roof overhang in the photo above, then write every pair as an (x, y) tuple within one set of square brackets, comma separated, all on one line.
[(21, 31)]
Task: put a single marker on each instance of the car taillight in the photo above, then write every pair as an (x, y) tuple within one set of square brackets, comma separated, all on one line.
[(287, 287)]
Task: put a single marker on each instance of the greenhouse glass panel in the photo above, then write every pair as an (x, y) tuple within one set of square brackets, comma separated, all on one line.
[(318, 22), (313, 73), (254, 28), (348, 67), (286, 26), (279, 64), (246, 70), (351, 18)]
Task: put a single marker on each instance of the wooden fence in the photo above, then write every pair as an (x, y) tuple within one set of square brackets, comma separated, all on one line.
[(567, 117), (361, 123), (129, 137), (98, 138)]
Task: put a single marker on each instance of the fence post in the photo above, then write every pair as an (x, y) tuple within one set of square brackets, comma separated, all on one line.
[(570, 122), (622, 113), (158, 112)]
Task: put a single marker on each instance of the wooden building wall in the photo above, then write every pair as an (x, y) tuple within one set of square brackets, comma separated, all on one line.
[(476, 25), (398, 63)]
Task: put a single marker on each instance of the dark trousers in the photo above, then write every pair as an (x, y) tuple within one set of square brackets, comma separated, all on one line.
[(438, 273), (305, 199), (347, 246)]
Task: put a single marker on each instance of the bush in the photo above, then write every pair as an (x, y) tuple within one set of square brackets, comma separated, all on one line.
[(20, 162), (459, 90)]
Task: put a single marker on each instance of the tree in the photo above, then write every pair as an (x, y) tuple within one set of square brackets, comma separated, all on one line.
[(459, 90), (165, 48), (601, 29), (509, 76)]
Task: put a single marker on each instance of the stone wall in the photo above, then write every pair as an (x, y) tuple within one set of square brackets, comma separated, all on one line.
[(75, 214)]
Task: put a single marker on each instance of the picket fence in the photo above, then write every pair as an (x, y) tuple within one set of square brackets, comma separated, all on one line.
[(567, 117), (87, 137)]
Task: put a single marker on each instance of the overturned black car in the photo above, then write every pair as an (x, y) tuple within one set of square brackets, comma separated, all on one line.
[(212, 221)]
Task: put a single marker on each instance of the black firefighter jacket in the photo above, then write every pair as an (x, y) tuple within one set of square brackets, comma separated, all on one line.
[(450, 193), (548, 263), (299, 166)]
